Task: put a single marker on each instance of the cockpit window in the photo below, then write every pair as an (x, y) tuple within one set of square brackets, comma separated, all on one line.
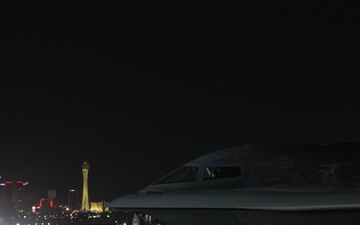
[(221, 172), (183, 174)]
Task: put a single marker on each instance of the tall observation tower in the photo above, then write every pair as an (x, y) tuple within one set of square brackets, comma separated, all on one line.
[(85, 197)]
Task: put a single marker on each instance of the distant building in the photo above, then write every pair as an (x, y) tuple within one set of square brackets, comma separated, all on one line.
[(98, 207), (51, 194), (85, 204), (47, 205), (13, 191), (73, 200)]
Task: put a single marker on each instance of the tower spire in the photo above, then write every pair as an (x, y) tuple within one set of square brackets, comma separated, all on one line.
[(85, 197)]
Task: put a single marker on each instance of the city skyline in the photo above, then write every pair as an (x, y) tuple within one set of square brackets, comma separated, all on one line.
[(63, 198), (16, 192)]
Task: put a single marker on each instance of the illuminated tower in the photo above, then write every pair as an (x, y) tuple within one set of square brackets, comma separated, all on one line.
[(85, 197)]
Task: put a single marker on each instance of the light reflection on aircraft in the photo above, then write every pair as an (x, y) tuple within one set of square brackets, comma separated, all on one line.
[(257, 184)]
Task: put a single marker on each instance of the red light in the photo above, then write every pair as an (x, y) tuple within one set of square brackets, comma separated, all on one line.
[(235, 158), (51, 203), (17, 182)]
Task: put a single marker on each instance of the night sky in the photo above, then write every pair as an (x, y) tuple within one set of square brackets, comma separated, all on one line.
[(139, 88)]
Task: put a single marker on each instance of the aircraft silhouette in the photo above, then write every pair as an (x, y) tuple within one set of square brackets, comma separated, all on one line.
[(257, 184)]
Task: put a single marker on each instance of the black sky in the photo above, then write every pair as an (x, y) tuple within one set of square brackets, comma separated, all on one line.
[(139, 88)]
